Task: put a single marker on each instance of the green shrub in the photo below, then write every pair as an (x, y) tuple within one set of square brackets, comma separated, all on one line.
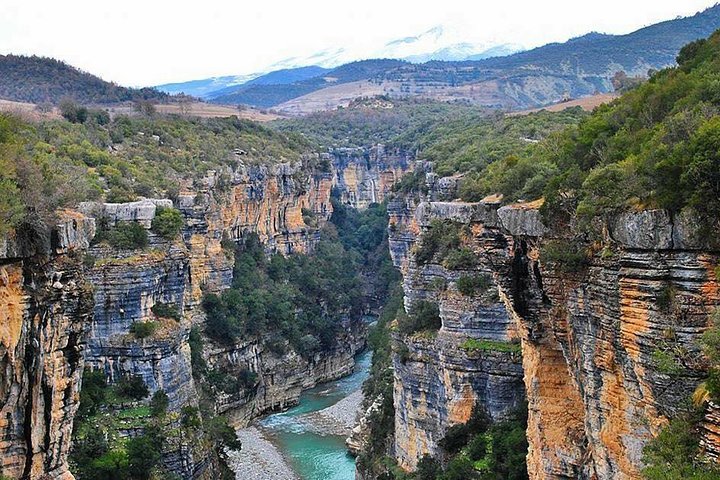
[(166, 310), (438, 240), (665, 362), (674, 453), (127, 235), (167, 222), (438, 284), (460, 259), (309, 217), (473, 345), (666, 298), (159, 403), (469, 285), (567, 256), (144, 454), (222, 433), (428, 468), (190, 417), (423, 316), (413, 182), (710, 344), (482, 449), (88, 260), (93, 392), (143, 329), (199, 366), (133, 387), (458, 435)]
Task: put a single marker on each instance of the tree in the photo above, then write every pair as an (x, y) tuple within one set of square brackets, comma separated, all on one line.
[(167, 222), (144, 454), (145, 108), (132, 386), (159, 403), (73, 112), (184, 104)]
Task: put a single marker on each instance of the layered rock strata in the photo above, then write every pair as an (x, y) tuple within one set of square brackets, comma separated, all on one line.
[(609, 348), (366, 175), (440, 379), (65, 303), (45, 307)]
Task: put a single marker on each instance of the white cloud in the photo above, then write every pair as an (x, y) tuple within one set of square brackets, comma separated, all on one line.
[(147, 42)]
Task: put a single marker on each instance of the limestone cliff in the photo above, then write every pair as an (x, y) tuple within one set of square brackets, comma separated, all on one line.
[(45, 306), (592, 337), (367, 175), (440, 379)]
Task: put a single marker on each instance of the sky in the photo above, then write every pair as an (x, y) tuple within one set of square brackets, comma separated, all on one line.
[(150, 42)]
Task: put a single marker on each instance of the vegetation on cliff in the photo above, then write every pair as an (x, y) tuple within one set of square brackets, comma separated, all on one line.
[(120, 435), (367, 122), (655, 147), (303, 299), (675, 453), (54, 164)]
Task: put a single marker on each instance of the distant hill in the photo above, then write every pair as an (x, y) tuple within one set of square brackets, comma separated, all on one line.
[(269, 94), (278, 77), (200, 88), (579, 67), (594, 54), (40, 79)]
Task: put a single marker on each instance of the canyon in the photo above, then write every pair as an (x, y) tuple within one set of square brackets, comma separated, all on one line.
[(579, 345), (586, 340)]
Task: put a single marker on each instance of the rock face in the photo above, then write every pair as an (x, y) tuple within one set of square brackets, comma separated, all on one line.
[(593, 340), (45, 307), (367, 175), (440, 379)]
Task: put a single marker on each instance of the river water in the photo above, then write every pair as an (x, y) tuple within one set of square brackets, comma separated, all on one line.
[(313, 456)]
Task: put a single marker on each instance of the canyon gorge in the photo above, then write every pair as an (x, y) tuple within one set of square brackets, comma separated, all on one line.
[(539, 291)]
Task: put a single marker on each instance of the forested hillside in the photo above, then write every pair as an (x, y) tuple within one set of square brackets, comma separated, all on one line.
[(378, 120), (656, 147), (46, 80)]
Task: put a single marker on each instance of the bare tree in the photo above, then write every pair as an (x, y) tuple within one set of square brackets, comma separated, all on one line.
[(145, 107), (184, 104)]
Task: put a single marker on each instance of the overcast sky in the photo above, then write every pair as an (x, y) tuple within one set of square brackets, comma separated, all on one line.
[(148, 42)]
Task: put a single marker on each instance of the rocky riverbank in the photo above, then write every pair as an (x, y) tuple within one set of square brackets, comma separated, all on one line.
[(338, 419), (259, 459)]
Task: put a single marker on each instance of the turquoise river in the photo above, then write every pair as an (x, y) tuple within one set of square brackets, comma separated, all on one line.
[(314, 456)]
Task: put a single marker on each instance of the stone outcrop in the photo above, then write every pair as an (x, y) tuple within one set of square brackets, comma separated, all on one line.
[(269, 201), (281, 378), (609, 350), (67, 302)]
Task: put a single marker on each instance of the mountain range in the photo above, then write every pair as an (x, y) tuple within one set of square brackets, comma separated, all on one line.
[(434, 65), (496, 76), (437, 43)]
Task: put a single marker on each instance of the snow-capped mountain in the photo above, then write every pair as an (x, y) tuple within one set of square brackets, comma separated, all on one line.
[(437, 43)]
